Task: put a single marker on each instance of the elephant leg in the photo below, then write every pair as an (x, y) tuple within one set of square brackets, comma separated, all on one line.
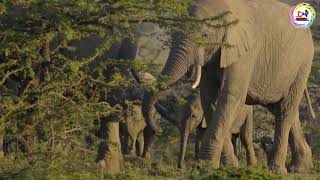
[(232, 94), (197, 144), (286, 112), (209, 88), (228, 156), (234, 138), (127, 142), (199, 136), (301, 153), (149, 139), (278, 153), (140, 144), (246, 138), (132, 147)]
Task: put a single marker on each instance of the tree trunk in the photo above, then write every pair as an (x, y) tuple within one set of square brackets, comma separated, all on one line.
[(109, 155), (43, 73)]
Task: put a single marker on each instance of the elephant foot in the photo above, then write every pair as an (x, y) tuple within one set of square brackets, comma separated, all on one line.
[(301, 160), (231, 161), (110, 168), (181, 165), (215, 164), (129, 152), (252, 161), (234, 163), (102, 164), (302, 168), (209, 158), (278, 168), (147, 155), (206, 163), (301, 165)]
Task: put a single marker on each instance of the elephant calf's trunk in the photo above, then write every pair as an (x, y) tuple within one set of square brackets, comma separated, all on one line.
[(183, 147)]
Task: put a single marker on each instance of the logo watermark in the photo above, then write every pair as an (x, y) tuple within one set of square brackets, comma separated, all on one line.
[(302, 15)]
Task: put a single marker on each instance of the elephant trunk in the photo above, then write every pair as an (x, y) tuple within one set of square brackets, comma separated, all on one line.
[(166, 114), (182, 55), (183, 146), (148, 109)]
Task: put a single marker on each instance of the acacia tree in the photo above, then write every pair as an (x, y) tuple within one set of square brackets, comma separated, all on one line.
[(49, 102)]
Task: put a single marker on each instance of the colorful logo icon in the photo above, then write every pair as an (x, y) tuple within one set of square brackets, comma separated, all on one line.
[(302, 15)]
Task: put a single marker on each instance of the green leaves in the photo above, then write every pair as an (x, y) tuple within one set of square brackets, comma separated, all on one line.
[(2, 9), (47, 90)]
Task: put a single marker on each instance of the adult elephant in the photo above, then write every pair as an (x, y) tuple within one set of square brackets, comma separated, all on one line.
[(269, 65)]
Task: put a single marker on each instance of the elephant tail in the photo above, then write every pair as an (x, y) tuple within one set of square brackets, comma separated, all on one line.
[(310, 109)]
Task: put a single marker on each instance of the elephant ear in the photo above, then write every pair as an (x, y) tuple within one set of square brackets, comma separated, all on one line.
[(240, 37)]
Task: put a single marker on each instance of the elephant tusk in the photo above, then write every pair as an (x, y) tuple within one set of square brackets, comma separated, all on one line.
[(198, 77)]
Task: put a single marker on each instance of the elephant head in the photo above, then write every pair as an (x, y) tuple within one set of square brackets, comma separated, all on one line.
[(186, 52), (187, 118), (182, 56)]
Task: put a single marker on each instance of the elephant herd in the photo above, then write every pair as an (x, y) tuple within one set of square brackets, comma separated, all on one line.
[(189, 117), (260, 59), (268, 64)]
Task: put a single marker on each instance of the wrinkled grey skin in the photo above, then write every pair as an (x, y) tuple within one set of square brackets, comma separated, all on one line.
[(132, 130), (149, 135), (269, 65), (243, 125), (186, 118), (190, 117), (149, 140)]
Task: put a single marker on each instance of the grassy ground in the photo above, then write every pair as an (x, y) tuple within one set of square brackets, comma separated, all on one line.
[(138, 169), (75, 164)]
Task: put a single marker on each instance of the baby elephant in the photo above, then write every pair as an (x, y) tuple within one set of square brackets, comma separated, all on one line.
[(191, 117), (132, 130)]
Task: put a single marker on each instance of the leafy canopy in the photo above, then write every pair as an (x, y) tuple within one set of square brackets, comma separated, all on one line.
[(49, 102)]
